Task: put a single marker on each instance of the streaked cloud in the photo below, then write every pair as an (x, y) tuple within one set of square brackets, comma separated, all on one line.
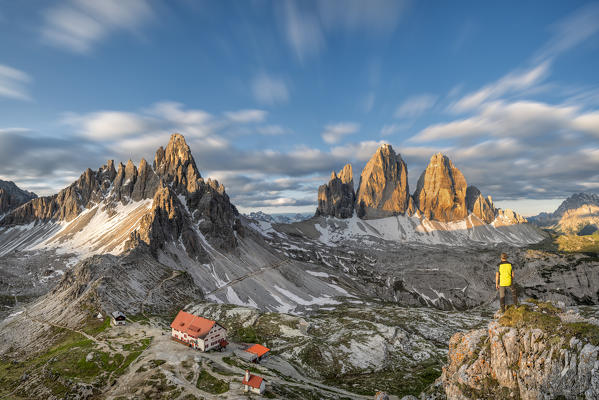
[(77, 25), (269, 89), (13, 83), (306, 24), (333, 133), (302, 30), (378, 16), (415, 106), (571, 31), (512, 82)]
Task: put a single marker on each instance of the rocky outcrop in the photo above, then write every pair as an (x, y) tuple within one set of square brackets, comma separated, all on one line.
[(535, 351), (336, 199), (478, 205), (11, 196), (441, 191), (383, 189), (185, 206), (508, 217)]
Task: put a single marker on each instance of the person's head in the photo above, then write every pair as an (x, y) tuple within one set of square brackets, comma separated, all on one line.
[(503, 257)]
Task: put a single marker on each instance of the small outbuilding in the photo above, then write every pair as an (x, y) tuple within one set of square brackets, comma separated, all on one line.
[(253, 383), (118, 318), (259, 350)]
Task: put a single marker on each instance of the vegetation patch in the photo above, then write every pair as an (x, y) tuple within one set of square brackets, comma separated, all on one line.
[(544, 316), (211, 384)]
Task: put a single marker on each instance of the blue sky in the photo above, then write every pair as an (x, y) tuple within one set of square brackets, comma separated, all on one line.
[(272, 96)]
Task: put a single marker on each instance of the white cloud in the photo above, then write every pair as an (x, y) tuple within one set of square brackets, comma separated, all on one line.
[(12, 83), (107, 125), (361, 151), (415, 106), (79, 24), (587, 123), (334, 132), (269, 90), (246, 116), (174, 112), (512, 82), (521, 118)]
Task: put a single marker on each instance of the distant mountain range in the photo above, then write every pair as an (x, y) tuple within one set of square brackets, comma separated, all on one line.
[(578, 214), (284, 218), (11, 197)]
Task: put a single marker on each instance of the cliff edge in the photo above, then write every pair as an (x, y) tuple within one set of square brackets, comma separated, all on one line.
[(534, 351)]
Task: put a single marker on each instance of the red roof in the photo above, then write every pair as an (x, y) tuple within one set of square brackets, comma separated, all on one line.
[(255, 381), (258, 350), (194, 326)]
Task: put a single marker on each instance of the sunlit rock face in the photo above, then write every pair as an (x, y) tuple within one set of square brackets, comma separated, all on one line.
[(337, 198), (478, 205), (384, 189), (441, 191)]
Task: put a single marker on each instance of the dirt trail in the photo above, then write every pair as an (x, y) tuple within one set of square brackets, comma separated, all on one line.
[(173, 276), (254, 273)]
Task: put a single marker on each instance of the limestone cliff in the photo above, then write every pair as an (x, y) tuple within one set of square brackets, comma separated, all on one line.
[(11, 196), (441, 191), (383, 189), (535, 351), (337, 198)]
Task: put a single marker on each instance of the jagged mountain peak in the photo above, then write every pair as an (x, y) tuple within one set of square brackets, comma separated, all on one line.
[(347, 174), (441, 190), (383, 189), (176, 165), (338, 196)]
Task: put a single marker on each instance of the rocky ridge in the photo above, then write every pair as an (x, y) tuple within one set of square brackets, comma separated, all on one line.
[(442, 193), (535, 351), (184, 206), (11, 196)]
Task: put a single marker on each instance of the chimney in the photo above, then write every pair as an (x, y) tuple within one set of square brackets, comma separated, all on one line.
[(247, 375)]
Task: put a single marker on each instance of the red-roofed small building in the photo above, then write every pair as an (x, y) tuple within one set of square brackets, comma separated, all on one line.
[(253, 383), (197, 332), (259, 350)]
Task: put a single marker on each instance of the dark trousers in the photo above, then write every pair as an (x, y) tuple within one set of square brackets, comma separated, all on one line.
[(502, 295)]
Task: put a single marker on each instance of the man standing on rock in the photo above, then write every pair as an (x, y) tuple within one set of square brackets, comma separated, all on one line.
[(504, 279)]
